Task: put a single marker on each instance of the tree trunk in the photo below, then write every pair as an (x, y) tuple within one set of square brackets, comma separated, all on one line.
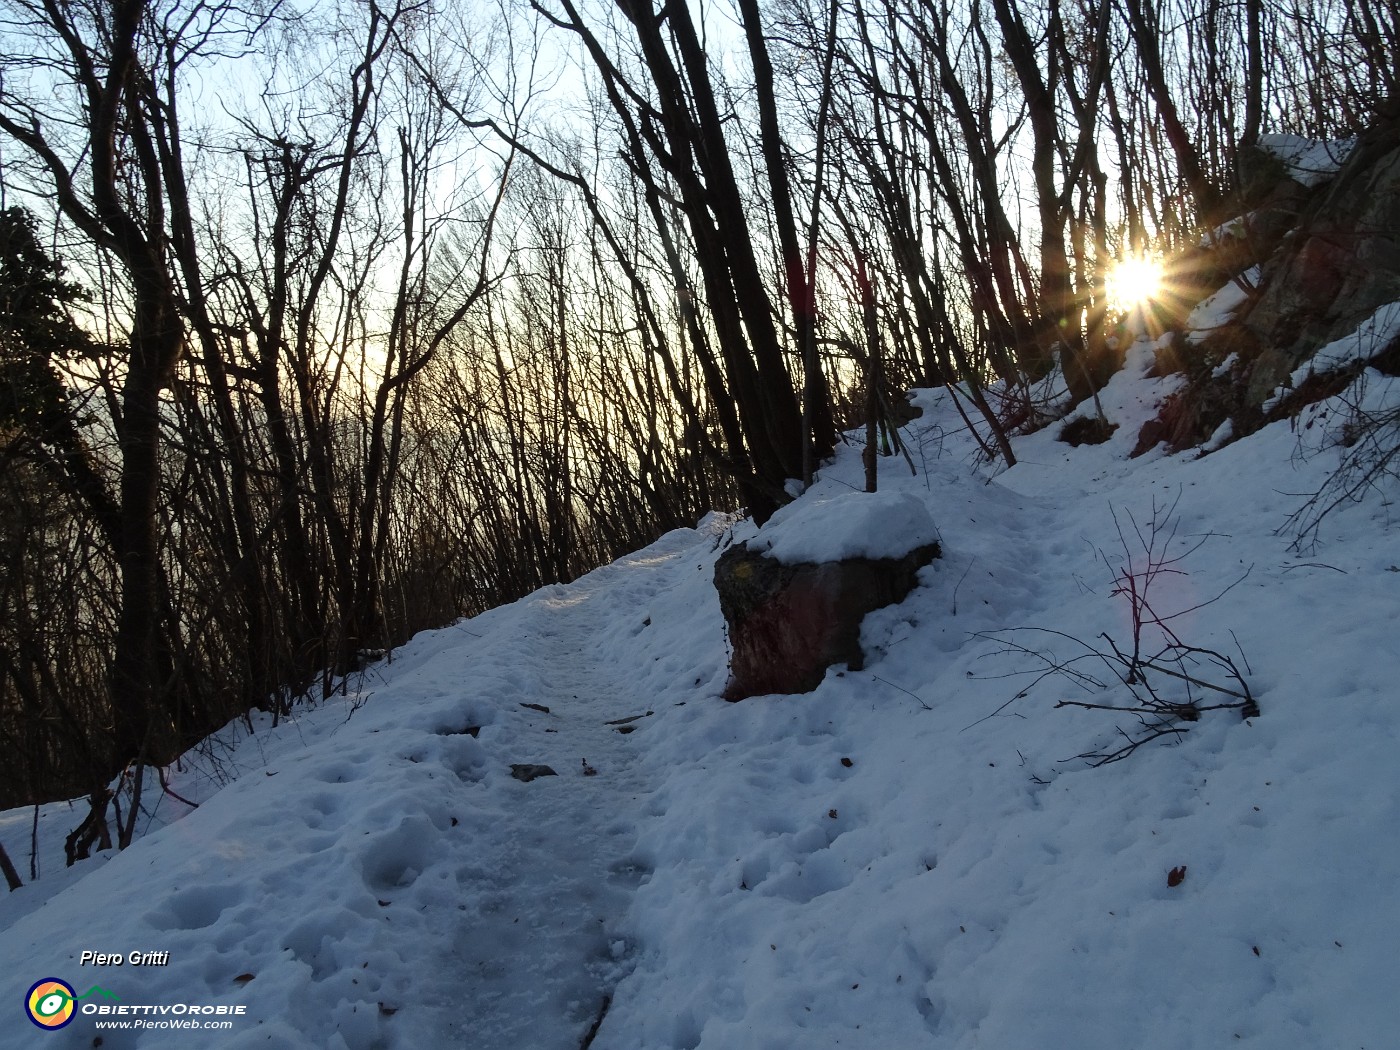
[(820, 428), (7, 867)]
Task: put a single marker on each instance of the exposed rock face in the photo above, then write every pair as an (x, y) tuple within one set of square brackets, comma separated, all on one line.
[(1345, 263), (789, 623)]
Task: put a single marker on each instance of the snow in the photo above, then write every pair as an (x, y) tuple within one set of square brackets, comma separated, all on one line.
[(1220, 436), (1226, 366), (1310, 162), (910, 856), (1232, 229), (1216, 310), (1370, 339), (850, 524)]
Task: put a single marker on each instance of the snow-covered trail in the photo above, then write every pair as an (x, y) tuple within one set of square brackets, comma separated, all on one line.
[(370, 874), (530, 939), (533, 963)]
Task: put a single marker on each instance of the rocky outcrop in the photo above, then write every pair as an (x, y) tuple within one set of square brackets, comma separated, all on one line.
[(1328, 256), (1343, 263), (789, 622)]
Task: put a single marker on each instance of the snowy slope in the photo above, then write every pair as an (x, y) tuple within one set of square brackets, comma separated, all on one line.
[(908, 857)]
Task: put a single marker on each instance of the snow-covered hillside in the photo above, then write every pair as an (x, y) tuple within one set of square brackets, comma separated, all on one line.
[(911, 856)]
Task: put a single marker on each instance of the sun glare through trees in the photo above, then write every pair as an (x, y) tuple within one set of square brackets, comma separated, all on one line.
[(1135, 283)]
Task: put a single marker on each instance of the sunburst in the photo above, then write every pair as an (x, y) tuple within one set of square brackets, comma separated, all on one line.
[(1134, 283)]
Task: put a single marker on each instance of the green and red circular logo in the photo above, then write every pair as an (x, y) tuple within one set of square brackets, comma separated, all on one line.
[(50, 1003)]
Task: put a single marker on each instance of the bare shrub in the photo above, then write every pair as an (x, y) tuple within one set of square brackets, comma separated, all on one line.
[(1368, 441), (1163, 680)]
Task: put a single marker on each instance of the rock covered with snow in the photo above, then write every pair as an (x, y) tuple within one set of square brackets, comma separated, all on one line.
[(795, 595)]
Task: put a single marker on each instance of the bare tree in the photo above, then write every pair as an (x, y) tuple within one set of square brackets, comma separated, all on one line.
[(110, 161)]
